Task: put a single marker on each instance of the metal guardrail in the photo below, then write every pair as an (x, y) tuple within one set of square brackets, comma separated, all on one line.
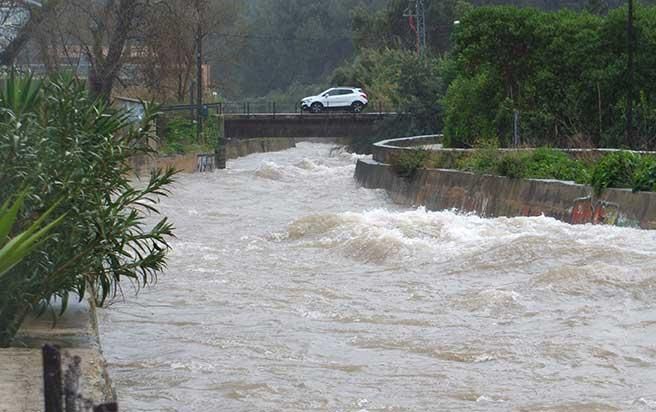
[(261, 107)]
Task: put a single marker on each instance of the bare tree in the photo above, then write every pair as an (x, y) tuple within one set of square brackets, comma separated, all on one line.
[(26, 17), (152, 42), (101, 30), (175, 30)]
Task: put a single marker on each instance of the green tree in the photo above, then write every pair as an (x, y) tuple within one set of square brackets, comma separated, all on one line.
[(565, 72)]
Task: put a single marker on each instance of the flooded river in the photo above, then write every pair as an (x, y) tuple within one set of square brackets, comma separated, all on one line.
[(292, 289)]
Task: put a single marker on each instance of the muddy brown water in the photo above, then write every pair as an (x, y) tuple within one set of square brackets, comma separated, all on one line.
[(290, 288)]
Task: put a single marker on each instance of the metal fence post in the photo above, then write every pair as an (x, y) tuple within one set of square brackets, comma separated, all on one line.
[(52, 379), (274, 110), (516, 136), (106, 407), (72, 384)]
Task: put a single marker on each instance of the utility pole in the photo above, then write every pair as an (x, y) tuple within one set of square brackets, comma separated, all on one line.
[(199, 75), (417, 20), (630, 76)]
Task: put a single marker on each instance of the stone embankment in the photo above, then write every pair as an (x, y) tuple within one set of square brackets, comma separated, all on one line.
[(494, 196)]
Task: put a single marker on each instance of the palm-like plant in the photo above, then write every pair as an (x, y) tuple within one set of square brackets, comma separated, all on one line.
[(13, 250), (74, 152)]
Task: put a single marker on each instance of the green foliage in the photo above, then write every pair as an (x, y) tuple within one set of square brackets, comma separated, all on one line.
[(408, 162), (179, 136), (645, 175), (616, 169), (14, 250), (546, 163), (565, 72), (541, 163), (484, 159), (402, 81), (467, 119), (73, 151), (513, 165)]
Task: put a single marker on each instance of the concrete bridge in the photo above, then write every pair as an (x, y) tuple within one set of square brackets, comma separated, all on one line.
[(331, 124)]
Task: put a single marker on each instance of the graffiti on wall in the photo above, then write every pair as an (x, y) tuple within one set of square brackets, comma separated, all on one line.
[(598, 212)]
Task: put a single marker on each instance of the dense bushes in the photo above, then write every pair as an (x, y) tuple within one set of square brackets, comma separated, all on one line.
[(542, 163), (72, 151), (619, 169), (408, 162), (402, 81), (564, 72), (179, 135), (645, 175), (615, 170)]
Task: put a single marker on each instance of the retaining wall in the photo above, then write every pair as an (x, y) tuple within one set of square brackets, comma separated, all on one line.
[(493, 196), (188, 163), (385, 150)]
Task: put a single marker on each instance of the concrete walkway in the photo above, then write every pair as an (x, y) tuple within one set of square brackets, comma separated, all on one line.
[(21, 376)]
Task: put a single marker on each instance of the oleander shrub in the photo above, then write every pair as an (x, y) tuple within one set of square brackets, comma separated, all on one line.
[(72, 151)]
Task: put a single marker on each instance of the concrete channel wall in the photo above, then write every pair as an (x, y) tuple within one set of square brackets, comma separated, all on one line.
[(76, 332), (188, 163), (493, 196)]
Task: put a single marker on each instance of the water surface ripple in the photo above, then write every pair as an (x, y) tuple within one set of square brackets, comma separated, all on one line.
[(292, 289)]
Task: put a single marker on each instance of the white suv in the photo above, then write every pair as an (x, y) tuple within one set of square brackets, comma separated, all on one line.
[(336, 98)]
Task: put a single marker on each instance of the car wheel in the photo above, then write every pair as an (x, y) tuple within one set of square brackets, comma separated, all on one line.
[(357, 107), (316, 108)]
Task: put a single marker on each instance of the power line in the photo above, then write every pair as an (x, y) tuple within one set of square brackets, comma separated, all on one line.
[(282, 38)]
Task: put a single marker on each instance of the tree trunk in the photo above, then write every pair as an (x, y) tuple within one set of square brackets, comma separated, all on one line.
[(37, 17), (12, 315), (104, 69)]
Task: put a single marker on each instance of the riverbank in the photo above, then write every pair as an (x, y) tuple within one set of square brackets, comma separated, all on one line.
[(235, 148), (76, 333), (494, 196), (291, 288)]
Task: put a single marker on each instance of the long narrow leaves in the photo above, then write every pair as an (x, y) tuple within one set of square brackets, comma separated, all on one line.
[(75, 152), (17, 248)]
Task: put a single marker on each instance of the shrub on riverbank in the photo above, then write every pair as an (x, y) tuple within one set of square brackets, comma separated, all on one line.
[(615, 170), (179, 135), (72, 151), (620, 169), (645, 175), (541, 163), (408, 162)]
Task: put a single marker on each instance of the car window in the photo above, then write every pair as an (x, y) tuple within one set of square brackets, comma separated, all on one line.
[(334, 92), (345, 91)]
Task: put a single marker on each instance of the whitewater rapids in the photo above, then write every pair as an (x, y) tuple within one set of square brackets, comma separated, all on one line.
[(290, 288)]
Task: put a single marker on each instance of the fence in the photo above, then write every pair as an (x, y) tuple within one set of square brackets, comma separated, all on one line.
[(65, 396), (257, 107)]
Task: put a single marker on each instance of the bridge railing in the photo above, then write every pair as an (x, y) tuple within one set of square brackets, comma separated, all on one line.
[(259, 107)]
